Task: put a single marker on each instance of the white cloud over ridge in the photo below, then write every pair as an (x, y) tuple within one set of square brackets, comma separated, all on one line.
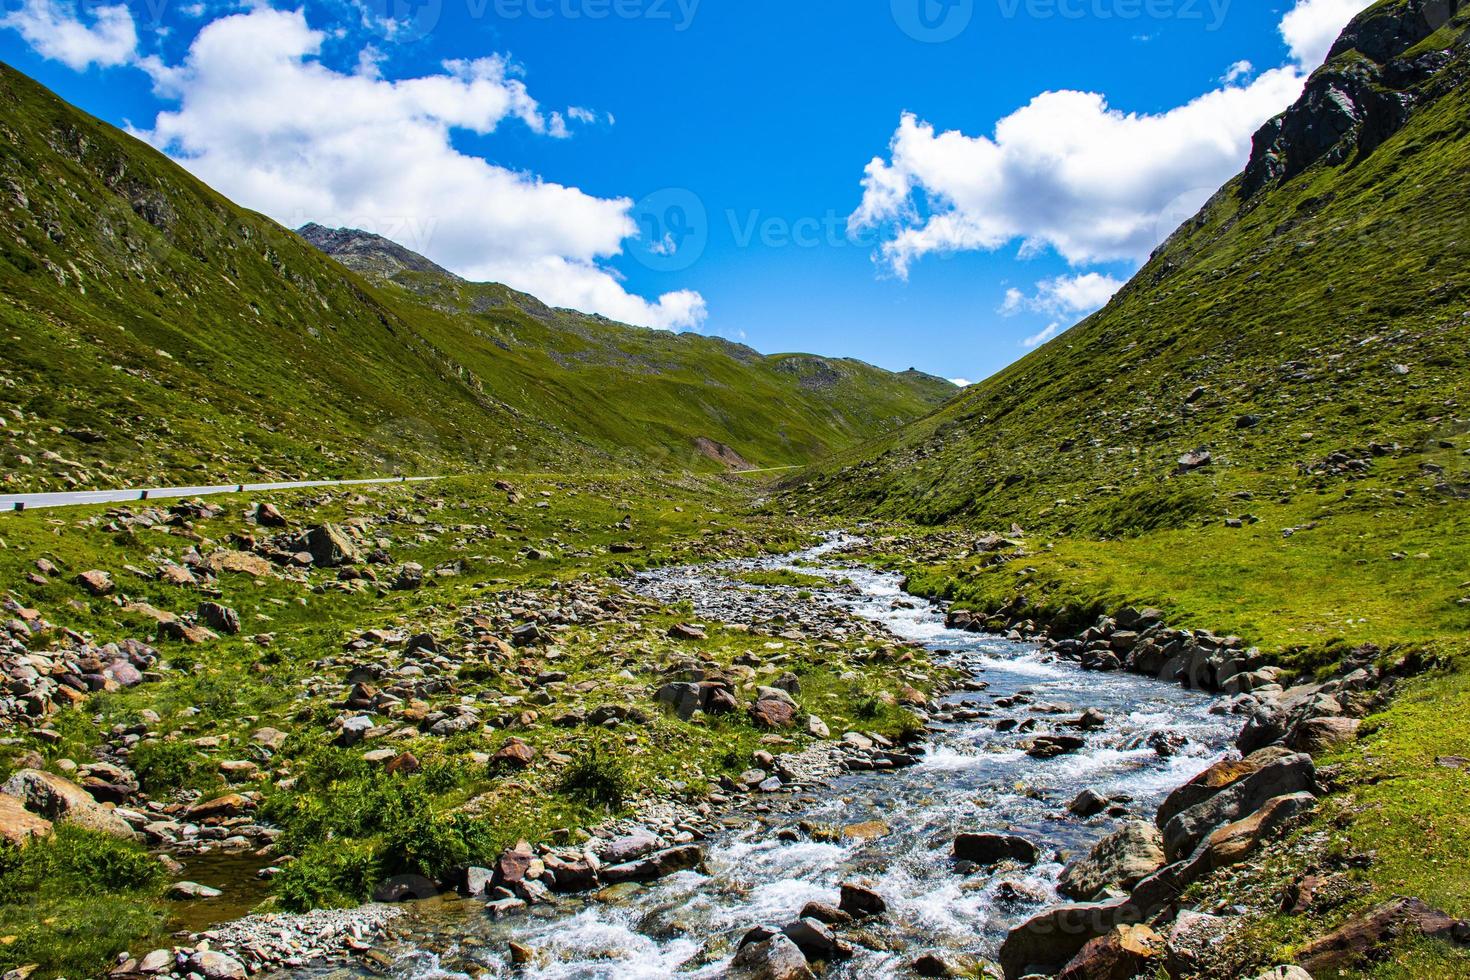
[(56, 32), (261, 118), (1311, 27), (1068, 172), (1065, 295)]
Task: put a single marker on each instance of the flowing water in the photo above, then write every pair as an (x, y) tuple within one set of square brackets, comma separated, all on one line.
[(973, 777)]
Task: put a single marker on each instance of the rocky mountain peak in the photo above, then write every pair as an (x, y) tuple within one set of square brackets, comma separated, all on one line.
[(1361, 97), (364, 252)]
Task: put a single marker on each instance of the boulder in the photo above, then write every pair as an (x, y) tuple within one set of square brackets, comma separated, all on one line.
[(240, 562), (1087, 803), (657, 865), (1235, 842), (775, 958), (1048, 941), (682, 697), (772, 713), (989, 849), (1316, 735), (1364, 935), (17, 823), (1120, 860), (630, 848), (61, 800), (1051, 746), (859, 900), (514, 754), (1121, 954), (217, 966), (1285, 973), (218, 617), (513, 863), (96, 582), (187, 891), (220, 808), (330, 546), (267, 515), (1267, 724), (1291, 774), (816, 941), (1217, 777), (158, 961)]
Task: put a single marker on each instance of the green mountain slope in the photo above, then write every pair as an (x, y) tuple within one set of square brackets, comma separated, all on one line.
[(156, 332), (1310, 324)]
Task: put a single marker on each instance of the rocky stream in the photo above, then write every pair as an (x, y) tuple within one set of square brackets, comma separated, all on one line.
[(1028, 762)]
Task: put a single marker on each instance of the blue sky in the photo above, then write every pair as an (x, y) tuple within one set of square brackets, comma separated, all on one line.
[(821, 175)]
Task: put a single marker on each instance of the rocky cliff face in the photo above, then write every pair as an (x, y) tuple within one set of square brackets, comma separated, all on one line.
[(1362, 96)]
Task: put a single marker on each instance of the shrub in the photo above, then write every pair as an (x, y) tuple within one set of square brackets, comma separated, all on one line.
[(598, 775), (74, 860), (165, 766), (329, 874)]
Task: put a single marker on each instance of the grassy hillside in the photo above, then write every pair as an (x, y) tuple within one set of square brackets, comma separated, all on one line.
[(141, 310), (1311, 333)]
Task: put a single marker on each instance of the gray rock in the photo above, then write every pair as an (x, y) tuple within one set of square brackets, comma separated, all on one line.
[(191, 891), (989, 849), (217, 966), (776, 958), (682, 697), (330, 546), (1120, 860)]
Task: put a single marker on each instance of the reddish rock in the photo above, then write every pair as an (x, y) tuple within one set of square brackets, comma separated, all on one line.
[(515, 754), (513, 863), (1121, 954), (97, 582), (771, 713), (17, 823), (407, 764), (219, 808)]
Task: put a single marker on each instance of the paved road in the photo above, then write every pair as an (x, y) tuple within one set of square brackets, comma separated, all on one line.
[(75, 498), (33, 501)]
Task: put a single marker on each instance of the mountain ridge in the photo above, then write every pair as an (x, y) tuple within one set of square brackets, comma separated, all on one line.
[(1260, 332), (144, 309)]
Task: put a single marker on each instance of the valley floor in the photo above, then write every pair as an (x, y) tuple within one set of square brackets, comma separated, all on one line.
[(386, 682)]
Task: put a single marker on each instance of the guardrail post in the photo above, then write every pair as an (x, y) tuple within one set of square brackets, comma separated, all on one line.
[(20, 505), (240, 488), (142, 494)]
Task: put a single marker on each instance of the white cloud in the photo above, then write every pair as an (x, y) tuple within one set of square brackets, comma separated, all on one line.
[(263, 120), (961, 382), (55, 32), (1037, 339), (1311, 27), (581, 115), (1237, 71), (1070, 172), (1064, 295)]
